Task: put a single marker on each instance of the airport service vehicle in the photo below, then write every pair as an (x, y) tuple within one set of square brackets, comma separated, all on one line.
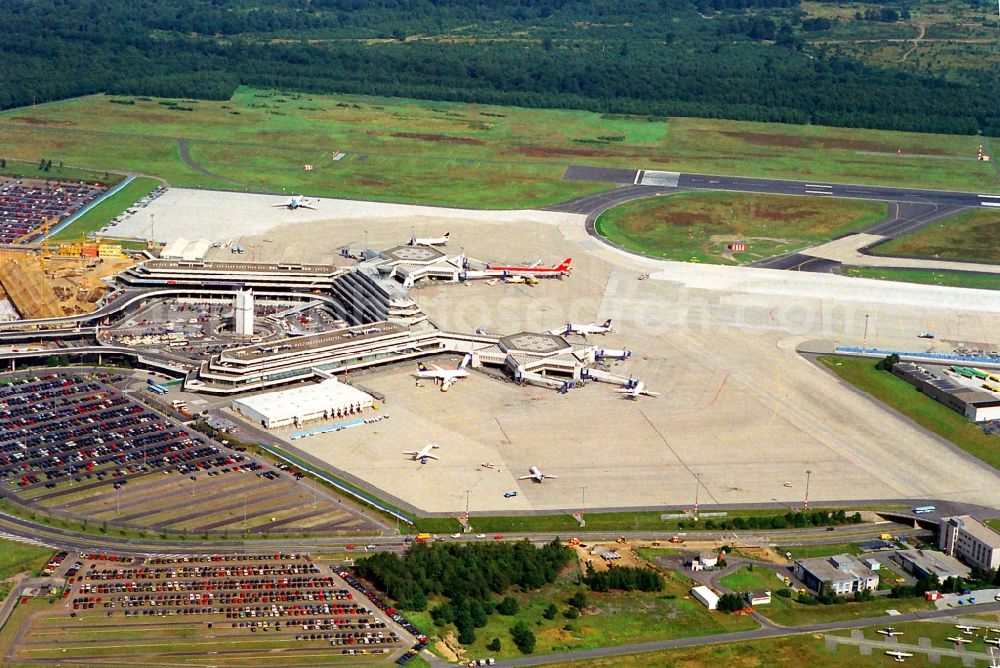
[(423, 454), (923, 510), (925, 335), (535, 475), (447, 377), (508, 495), (430, 241)]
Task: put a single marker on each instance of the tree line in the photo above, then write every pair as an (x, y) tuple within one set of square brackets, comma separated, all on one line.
[(647, 57)]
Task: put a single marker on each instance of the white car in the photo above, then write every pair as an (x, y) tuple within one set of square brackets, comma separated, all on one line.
[(480, 535), (456, 535)]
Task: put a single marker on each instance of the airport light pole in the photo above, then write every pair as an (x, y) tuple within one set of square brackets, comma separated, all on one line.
[(808, 475), (697, 488), (583, 499), (864, 345)]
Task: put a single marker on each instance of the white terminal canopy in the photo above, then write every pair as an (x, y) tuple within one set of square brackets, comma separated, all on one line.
[(325, 400)]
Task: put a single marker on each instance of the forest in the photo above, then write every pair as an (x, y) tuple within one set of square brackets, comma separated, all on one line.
[(738, 59)]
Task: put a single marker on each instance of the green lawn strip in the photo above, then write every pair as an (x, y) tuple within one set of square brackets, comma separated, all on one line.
[(17, 557), (789, 652), (994, 523), (103, 213), (697, 226), (928, 413), (788, 612), (610, 619), (969, 236), (612, 521), (29, 170), (953, 279), (824, 550)]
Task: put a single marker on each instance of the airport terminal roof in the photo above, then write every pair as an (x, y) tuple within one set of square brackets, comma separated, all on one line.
[(315, 341), (932, 561), (182, 249), (304, 400)]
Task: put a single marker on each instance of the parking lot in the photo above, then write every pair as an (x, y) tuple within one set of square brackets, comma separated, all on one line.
[(75, 445), (240, 609)]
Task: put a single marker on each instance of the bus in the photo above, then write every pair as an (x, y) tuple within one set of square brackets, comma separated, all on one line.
[(923, 510)]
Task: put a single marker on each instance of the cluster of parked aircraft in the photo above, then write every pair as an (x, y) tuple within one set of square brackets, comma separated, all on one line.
[(900, 656), (425, 454)]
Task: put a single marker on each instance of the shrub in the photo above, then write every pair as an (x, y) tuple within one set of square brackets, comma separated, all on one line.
[(550, 611), (508, 606)]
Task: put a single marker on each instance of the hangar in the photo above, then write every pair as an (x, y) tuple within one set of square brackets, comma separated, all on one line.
[(324, 400)]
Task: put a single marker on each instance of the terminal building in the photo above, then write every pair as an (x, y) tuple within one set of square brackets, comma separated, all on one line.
[(840, 575), (975, 404), (970, 540)]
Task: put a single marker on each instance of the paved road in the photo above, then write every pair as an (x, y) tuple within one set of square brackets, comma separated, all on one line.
[(909, 209), (742, 636)]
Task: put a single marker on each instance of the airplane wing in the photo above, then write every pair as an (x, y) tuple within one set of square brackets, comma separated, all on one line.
[(306, 206), (652, 394), (434, 367), (546, 475), (430, 456), (448, 382), (411, 452), (557, 332), (525, 477)]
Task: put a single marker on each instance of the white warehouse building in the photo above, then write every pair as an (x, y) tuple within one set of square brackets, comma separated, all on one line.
[(326, 400)]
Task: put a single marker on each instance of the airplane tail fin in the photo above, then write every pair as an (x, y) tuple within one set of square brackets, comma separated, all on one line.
[(466, 361), (607, 323), (446, 235), (421, 367), (565, 265)]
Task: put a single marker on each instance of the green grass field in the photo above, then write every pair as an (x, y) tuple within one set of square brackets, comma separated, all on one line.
[(788, 612), (452, 153), (29, 170), (949, 278), (904, 398), (970, 236), (610, 619), (697, 226), (102, 214), (826, 550), (791, 652), (17, 557)]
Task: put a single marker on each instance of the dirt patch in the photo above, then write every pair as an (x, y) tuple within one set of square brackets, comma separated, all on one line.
[(552, 152), (684, 218), (771, 214), (370, 182), (442, 139), (794, 141), (28, 120)]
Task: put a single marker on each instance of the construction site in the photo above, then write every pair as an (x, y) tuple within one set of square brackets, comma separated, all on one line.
[(38, 283)]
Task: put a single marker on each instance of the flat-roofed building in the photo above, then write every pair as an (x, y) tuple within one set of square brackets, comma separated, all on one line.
[(327, 400), (970, 540), (840, 575), (925, 563)]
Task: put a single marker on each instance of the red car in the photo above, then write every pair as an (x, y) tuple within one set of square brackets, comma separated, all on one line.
[(499, 536)]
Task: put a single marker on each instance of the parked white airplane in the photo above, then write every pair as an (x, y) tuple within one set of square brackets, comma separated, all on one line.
[(891, 632), (424, 454), (635, 389), (992, 641), (430, 241), (296, 202), (959, 641), (583, 330), (536, 475), (446, 377), (898, 657), (967, 630)]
